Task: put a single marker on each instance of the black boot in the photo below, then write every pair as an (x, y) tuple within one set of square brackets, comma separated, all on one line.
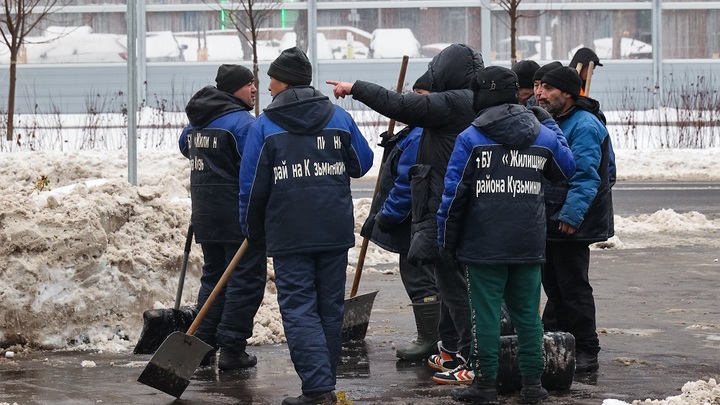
[(532, 391), (209, 359), (427, 316), (323, 398), (482, 392), (586, 362), (231, 359)]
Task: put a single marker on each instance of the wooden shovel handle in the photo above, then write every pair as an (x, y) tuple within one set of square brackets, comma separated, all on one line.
[(218, 287), (591, 70), (391, 128)]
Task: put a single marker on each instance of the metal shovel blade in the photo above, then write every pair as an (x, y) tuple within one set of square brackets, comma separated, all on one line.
[(174, 363), (357, 316)]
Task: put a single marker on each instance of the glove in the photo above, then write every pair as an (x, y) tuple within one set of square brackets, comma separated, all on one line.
[(540, 113), (447, 255), (383, 224), (384, 138)]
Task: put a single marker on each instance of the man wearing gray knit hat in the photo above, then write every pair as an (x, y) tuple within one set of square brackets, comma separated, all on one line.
[(299, 157), (292, 67)]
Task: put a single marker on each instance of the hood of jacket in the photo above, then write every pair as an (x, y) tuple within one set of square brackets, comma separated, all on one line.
[(512, 125), (210, 103), (587, 104), (301, 110), (454, 68)]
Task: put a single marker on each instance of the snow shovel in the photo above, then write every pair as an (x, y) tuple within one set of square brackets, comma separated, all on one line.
[(358, 307), (174, 363), (159, 323)]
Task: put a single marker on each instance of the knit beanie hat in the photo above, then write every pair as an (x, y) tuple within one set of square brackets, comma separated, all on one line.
[(525, 69), (231, 77), (494, 85), (546, 68), (564, 78), (584, 56), (291, 67), (423, 82)]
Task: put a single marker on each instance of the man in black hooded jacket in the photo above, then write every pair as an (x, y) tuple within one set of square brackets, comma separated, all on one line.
[(443, 114)]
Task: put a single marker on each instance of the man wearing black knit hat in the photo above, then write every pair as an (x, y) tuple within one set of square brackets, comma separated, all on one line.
[(504, 248), (295, 193), (579, 213), (525, 70), (213, 141), (539, 74)]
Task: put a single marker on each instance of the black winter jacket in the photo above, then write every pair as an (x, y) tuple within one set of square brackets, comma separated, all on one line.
[(443, 114)]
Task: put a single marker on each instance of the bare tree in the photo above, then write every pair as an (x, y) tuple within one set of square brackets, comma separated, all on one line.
[(18, 19), (248, 16), (511, 7)]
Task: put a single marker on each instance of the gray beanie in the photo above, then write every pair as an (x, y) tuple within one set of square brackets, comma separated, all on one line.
[(291, 67)]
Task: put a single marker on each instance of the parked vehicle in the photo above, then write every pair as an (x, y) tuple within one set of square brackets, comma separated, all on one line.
[(630, 48), (430, 50), (324, 51), (394, 43), (527, 47)]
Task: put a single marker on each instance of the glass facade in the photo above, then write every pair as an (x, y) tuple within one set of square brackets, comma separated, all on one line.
[(210, 30)]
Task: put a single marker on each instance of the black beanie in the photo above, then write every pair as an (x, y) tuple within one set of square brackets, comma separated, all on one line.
[(231, 77), (546, 68), (291, 67), (423, 82), (494, 85), (525, 69), (584, 56), (564, 78)]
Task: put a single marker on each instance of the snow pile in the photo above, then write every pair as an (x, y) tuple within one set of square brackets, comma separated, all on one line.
[(693, 393), (83, 256)]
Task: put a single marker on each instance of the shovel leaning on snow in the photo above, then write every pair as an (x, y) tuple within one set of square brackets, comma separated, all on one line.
[(358, 307), (158, 324), (173, 364)]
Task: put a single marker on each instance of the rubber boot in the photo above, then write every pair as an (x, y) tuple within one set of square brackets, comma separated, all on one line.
[(427, 316), (482, 392), (532, 391)]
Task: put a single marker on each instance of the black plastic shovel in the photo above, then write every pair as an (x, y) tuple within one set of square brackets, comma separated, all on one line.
[(173, 364), (158, 324)]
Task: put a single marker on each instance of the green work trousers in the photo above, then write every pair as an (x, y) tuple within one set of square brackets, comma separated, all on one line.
[(519, 285)]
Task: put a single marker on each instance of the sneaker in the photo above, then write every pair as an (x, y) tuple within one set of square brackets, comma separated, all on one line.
[(231, 360), (443, 361), (532, 391), (586, 363), (323, 398), (461, 374), (481, 391)]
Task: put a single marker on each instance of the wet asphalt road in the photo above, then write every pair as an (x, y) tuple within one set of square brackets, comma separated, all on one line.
[(635, 198), (658, 320)]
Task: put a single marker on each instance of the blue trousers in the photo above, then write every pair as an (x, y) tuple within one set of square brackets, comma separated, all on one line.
[(311, 295), (229, 322)]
